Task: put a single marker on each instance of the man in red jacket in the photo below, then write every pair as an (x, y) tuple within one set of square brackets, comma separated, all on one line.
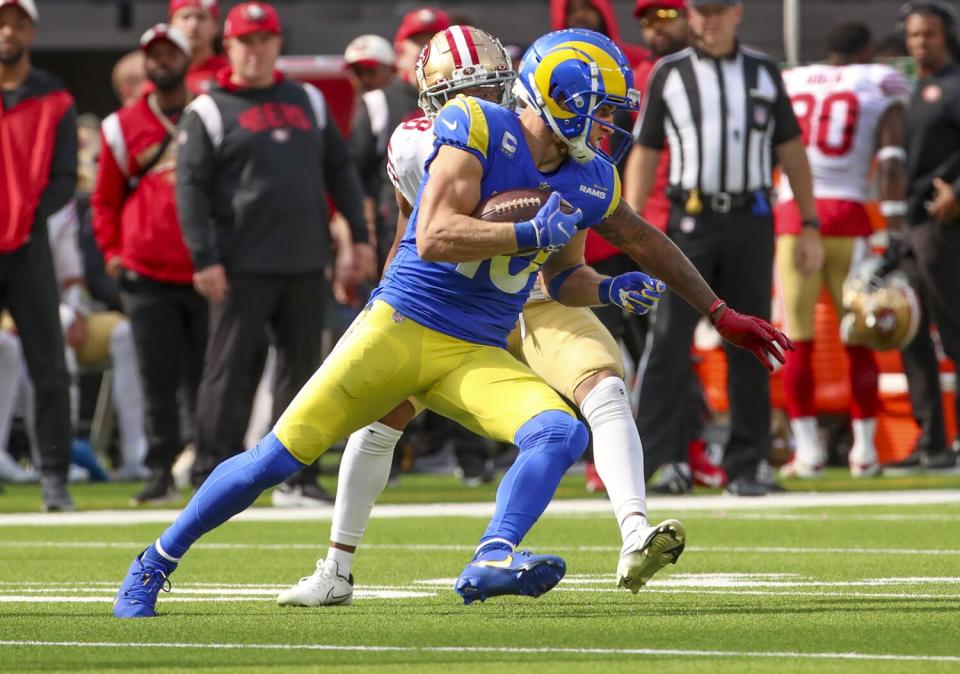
[(136, 226), (595, 15), (199, 21), (38, 171)]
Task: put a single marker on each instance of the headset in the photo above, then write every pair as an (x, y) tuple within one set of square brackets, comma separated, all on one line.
[(944, 11)]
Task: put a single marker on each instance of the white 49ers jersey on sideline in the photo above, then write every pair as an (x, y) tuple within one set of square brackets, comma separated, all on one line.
[(407, 152), (839, 109)]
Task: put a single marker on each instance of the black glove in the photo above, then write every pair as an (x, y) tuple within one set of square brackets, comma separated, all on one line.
[(896, 250)]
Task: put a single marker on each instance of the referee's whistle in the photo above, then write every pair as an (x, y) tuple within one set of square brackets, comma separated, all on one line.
[(694, 204)]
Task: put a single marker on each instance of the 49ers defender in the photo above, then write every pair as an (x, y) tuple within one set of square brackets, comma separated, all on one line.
[(851, 112)]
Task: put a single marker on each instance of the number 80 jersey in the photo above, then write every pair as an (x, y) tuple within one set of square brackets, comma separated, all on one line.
[(839, 109), (479, 301)]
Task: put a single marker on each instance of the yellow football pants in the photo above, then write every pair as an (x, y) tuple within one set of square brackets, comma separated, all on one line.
[(799, 294), (386, 358), (564, 345)]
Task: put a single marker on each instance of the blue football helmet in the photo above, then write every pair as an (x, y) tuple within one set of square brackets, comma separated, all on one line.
[(566, 75)]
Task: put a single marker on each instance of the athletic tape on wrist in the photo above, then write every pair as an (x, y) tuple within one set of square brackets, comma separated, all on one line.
[(893, 209), (891, 152)]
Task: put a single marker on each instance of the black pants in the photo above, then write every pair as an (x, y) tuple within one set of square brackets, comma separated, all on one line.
[(28, 288), (931, 265), (169, 322), (291, 307), (734, 253)]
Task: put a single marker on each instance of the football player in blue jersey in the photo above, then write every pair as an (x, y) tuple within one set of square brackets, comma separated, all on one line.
[(437, 325)]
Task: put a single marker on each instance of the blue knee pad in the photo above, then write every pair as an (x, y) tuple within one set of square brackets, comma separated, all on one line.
[(549, 444), (555, 432)]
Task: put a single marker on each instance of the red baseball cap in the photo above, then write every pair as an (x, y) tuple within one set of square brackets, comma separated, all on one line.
[(208, 5), (162, 31), (251, 17), (423, 20), (644, 5)]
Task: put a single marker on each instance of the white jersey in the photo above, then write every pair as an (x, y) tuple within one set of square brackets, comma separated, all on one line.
[(839, 109), (407, 152)]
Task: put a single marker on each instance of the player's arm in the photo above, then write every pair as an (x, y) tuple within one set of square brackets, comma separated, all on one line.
[(567, 279), (892, 166), (653, 251), (892, 181), (639, 175), (445, 230), (403, 218)]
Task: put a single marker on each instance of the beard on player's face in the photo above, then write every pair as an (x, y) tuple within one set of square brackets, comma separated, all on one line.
[(12, 55), (166, 80)]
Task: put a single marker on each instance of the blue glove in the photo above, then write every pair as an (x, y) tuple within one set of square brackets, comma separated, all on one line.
[(634, 291), (549, 229)]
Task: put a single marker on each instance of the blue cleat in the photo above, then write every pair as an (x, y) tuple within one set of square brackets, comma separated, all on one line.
[(137, 596), (497, 572)]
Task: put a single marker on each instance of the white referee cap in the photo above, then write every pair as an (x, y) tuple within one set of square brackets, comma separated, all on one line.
[(29, 7)]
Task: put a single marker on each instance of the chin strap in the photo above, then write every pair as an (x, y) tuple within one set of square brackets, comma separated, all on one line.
[(580, 150)]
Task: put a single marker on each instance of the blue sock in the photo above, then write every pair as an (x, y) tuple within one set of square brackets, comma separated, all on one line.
[(549, 444), (231, 488)]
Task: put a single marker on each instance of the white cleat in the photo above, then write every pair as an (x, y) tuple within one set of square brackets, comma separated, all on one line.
[(860, 470), (647, 550), (326, 587), (801, 470)]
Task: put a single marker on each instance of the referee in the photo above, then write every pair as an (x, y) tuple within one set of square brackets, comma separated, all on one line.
[(722, 111)]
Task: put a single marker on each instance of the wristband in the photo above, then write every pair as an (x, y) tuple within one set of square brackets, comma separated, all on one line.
[(892, 152), (893, 209), (526, 234), (811, 223), (604, 290), (553, 288), (717, 305)]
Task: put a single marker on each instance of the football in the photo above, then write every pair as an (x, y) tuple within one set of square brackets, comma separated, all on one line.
[(515, 205)]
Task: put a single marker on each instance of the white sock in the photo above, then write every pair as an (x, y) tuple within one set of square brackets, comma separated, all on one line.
[(343, 559), (617, 451), (128, 397), (364, 471), (807, 438), (864, 448)]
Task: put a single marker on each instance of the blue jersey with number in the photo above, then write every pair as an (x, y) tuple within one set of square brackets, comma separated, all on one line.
[(480, 301)]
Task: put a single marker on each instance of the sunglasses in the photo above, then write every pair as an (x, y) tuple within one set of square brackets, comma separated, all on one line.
[(659, 16)]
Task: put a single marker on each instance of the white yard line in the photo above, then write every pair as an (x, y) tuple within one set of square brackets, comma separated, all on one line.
[(898, 657), (427, 547), (721, 503)]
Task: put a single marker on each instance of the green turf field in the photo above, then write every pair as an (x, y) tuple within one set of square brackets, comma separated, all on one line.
[(817, 589)]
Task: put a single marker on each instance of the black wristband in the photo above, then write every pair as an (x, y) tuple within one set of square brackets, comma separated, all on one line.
[(812, 223)]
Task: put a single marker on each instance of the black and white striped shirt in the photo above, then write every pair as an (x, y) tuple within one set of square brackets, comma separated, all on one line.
[(720, 119)]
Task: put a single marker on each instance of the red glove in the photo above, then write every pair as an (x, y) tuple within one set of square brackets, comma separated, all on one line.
[(751, 333)]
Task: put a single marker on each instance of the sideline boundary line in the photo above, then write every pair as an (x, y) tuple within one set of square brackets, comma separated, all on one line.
[(563, 507)]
